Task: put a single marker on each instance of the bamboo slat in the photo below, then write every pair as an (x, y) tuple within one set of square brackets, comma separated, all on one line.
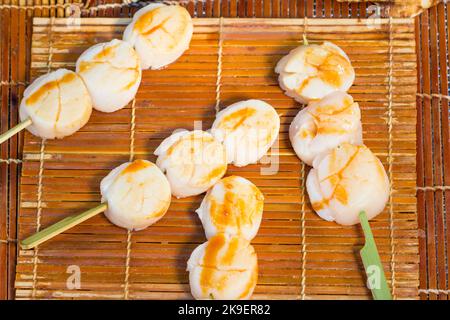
[(433, 152), (300, 255)]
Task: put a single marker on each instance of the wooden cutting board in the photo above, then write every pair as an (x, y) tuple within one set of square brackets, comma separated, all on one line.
[(300, 256)]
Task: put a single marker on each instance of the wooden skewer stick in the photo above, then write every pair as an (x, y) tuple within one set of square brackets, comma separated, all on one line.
[(8, 134), (376, 279), (60, 227)]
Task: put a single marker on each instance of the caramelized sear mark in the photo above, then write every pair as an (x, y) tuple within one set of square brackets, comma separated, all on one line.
[(325, 117), (104, 57), (107, 52), (210, 277), (175, 14), (339, 192), (215, 173), (330, 69), (192, 139), (157, 27), (239, 205), (251, 283), (135, 166), (210, 260), (320, 205), (308, 132), (145, 20), (41, 92), (160, 211), (237, 118), (334, 109), (228, 257)]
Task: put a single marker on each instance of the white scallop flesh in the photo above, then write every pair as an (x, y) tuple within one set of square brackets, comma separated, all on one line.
[(224, 268), (160, 34), (234, 205), (58, 104), (137, 194), (247, 129), (324, 124), (112, 74), (345, 181), (310, 72), (192, 160)]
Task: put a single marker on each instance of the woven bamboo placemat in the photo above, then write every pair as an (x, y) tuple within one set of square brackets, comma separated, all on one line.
[(300, 255), (432, 47)]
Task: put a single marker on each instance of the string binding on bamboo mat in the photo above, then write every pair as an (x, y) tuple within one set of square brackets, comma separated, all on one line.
[(390, 158), (433, 95), (219, 65), (434, 291), (9, 161), (433, 188), (38, 214), (126, 292), (14, 83), (7, 241), (87, 8), (41, 166), (303, 210)]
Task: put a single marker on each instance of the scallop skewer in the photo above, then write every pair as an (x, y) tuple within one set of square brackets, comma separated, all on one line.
[(134, 196), (55, 105)]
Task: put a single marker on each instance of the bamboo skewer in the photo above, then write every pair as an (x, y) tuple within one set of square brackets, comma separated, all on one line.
[(14, 130), (60, 227), (372, 262)]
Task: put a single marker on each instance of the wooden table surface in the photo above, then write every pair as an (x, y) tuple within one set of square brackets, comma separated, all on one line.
[(433, 148)]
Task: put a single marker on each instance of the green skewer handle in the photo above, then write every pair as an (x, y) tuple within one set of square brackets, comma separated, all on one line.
[(376, 279), (60, 227), (14, 130)]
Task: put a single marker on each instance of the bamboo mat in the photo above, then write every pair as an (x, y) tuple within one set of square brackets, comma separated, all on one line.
[(432, 47), (300, 255)]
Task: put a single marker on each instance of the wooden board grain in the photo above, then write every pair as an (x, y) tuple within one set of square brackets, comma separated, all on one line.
[(300, 255)]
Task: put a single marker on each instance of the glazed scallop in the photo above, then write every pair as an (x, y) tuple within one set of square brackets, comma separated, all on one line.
[(112, 74), (192, 160), (234, 205), (160, 34), (345, 181), (137, 194), (224, 268), (247, 129), (312, 71), (57, 103), (324, 124)]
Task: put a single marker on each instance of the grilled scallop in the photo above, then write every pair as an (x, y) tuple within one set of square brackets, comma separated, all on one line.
[(224, 268), (345, 181), (137, 194), (247, 129), (192, 160), (112, 74), (233, 205), (160, 34), (312, 71), (57, 103), (325, 124)]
